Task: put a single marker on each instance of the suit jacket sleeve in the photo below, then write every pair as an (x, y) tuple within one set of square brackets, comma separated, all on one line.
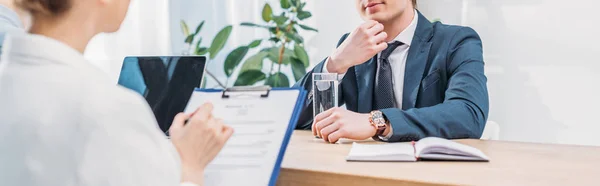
[(306, 116), (465, 108)]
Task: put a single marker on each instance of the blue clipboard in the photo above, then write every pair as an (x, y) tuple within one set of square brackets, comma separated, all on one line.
[(291, 125)]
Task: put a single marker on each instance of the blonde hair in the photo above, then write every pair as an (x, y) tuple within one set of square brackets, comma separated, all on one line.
[(45, 7)]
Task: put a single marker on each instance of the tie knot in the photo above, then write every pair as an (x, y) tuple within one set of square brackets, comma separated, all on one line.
[(391, 47)]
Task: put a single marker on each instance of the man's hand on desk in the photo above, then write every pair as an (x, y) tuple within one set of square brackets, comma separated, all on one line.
[(198, 141), (337, 123)]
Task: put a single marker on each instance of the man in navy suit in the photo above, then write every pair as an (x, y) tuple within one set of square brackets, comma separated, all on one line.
[(402, 78)]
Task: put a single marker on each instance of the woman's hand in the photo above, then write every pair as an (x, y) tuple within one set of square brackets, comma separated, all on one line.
[(198, 141)]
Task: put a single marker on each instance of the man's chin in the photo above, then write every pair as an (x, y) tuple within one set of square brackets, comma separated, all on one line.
[(377, 17)]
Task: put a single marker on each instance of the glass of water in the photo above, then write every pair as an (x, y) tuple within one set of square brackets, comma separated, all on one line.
[(325, 92)]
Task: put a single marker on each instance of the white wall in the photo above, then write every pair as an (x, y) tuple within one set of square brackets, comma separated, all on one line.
[(541, 60), (540, 55), (143, 32)]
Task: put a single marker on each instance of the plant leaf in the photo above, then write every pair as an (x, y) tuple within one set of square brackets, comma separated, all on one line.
[(199, 28), (303, 15), (294, 36), (184, 28), (254, 25), (233, 59), (201, 51), (219, 42), (298, 68), (267, 13), (285, 4), (301, 54), (294, 2), (255, 43), (274, 55), (254, 62), (273, 30), (274, 39), (249, 77), (198, 43), (189, 39), (278, 80), (308, 28), (280, 19), (302, 6)]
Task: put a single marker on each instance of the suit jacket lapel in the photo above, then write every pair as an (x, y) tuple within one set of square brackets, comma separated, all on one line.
[(365, 77), (416, 62)]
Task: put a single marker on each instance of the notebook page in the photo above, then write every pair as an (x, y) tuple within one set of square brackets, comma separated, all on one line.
[(443, 149), (382, 152)]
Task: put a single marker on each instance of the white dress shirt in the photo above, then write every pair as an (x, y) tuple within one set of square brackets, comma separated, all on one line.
[(397, 61), (64, 123)]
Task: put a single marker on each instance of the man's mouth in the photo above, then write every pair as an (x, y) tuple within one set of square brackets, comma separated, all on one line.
[(370, 5)]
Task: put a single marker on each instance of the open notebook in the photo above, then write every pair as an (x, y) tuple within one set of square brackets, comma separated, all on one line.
[(430, 148)]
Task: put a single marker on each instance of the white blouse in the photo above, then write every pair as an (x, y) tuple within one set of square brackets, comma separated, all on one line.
[(64, 123)]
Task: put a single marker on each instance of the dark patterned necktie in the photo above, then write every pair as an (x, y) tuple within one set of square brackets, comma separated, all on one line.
[(383, 96)]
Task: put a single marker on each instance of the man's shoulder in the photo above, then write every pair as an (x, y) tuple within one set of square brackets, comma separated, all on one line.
[(447, 32)]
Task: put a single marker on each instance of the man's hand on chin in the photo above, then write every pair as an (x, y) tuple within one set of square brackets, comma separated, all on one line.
[(337, 123)]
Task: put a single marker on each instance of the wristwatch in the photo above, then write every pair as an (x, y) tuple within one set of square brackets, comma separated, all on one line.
[(379, 122)]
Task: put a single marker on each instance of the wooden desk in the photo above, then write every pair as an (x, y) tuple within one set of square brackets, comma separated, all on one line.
[(312, 162)]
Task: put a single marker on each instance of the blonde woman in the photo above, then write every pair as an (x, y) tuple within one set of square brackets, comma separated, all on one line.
[(64, 123)]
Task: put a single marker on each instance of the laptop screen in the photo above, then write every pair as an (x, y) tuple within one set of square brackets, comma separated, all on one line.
[(166, 82)]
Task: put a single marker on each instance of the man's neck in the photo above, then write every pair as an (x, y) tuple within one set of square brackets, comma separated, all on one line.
[(394, 27), (71, 33)]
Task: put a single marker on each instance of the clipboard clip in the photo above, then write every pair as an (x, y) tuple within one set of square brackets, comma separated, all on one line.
[(252, 89)]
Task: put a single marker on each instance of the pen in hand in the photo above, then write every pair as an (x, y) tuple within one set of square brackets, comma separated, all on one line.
[(184, 123)]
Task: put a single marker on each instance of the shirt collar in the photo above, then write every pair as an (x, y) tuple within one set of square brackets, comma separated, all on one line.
[(40, 47), (406, 36)]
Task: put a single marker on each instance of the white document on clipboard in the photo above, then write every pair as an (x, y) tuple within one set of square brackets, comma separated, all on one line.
[(263, 121)]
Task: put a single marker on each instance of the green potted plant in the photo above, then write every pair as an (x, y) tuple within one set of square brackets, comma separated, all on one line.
[(286, 49)]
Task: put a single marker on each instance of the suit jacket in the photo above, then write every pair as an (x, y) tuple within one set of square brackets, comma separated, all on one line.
[(445, 92)]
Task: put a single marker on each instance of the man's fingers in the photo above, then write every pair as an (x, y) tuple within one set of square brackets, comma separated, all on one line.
[(324, 115), (369, 24), (326, 131), (312, 127), (379, 38), (378, 28), (335, 136), (326, 122), (381, 46), (318, 118)]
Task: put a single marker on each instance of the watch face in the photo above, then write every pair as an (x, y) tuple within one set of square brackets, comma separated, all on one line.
[(378, 119)]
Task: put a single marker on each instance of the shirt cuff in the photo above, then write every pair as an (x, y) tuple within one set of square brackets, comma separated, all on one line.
[(388, 136), (188, 184), (324, 70)]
